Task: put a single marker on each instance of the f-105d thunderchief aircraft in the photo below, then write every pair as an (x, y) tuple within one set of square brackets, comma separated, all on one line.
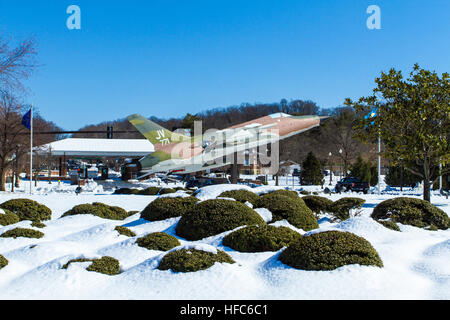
[(182, 154)]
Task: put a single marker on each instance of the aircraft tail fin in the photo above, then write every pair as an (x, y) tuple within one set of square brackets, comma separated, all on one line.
[(155, 133)]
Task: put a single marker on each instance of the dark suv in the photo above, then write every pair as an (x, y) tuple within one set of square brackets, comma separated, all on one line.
[(352, 184)]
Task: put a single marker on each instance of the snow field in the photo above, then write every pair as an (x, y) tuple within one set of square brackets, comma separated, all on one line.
[(415, 261)]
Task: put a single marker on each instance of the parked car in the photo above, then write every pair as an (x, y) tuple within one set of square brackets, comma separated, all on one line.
[(352, 184), (200, 182)]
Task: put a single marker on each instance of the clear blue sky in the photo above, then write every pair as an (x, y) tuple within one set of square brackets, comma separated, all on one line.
[(167, 58)]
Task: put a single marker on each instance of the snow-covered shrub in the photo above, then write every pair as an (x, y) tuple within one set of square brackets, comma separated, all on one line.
[(7, 217), (341, 208), (215, 216), (22, 232), (165, 208), (191, 260), (330, 250), (124, 231), (167, 190), (38, 224), (27, 209), (106, 265), (100, 210), (318, 205), (389, 224), (127, 191), (158, 241), (411, 211), (150, 191), (260, 238), (3, 261), (241, 196), (282, 192), (294, 210)]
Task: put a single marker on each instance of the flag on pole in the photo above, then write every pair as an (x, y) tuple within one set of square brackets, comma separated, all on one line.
[(372, 114), (26, 119)]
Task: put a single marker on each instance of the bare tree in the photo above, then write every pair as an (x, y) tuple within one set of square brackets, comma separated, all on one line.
[(12, 138), (16, 63), (337, 134)]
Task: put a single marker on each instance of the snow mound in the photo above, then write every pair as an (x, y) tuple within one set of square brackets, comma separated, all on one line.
[(265, 214), (212, 192), (196, 246), (266, 189), (178, 194)]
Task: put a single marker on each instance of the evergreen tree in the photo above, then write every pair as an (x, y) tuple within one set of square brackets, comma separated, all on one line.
[(311, 173), (412, 120), (393, 177), (188, 122), (364, 171)]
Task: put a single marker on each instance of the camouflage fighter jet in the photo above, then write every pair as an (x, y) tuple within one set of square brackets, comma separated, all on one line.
[(179, 153)]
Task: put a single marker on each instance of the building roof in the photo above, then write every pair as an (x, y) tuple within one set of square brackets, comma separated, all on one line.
[(289, 163), (98, 147)]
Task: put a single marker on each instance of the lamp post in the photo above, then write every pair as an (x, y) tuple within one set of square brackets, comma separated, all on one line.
[(341, 173), (331, 167)]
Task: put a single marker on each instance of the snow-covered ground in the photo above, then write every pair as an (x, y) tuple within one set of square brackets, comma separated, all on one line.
[(416, 262)]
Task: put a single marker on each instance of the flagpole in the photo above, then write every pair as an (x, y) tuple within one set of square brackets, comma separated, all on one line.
[(31, 151), (379, 164)]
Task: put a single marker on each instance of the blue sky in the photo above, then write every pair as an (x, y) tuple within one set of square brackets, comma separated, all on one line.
[(167, 58)]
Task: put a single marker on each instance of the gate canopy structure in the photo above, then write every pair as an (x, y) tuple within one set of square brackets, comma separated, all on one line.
[(76, 147), (94, 149)]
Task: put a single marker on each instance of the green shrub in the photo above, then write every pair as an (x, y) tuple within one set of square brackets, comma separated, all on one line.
[(191, 260), (124, 231), (165, 208), (158, 241), (389, 224), (150, 191), (411, 211), (294, 210), (318, 205), (215, 216), (127, 191), (106, 265), (38, 224), (341, 208), (305, 193), (282, 192), (3, 262), (241, 196), (167, 190), (100, 210), (22, 232), (27, 209), (330, 250), (260, 238), (76, 261), (8, 218)]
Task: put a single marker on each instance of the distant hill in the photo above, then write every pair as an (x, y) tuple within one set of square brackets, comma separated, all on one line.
[(218, 118)]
